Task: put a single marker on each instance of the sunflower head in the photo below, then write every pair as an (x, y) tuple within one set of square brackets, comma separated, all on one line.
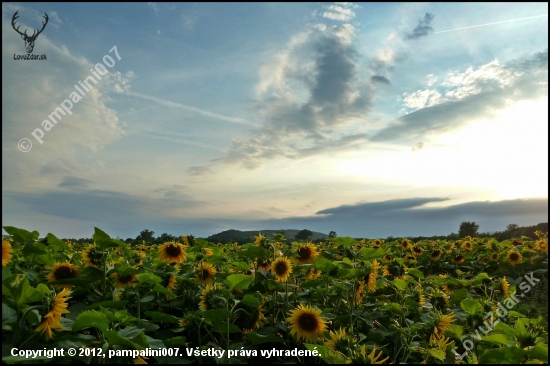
[(52, 320), (514, 257), (249, 316), (92, 256), (371, 282), (542, 245), (359, 292), (126, 280), (436, 254), (312, 273), (6, 252), (406, 244), (459, 258), (341, 342), (439, 300), (516, 242), (441, 323), (494, 256), (417, 250), (170, 282), (62, 271), (260, 240), (215, 297), (208, 252), (205, 273), (306, 323), (505, 286), (307, 253), (172, 252), (467, 246), (281, 268)]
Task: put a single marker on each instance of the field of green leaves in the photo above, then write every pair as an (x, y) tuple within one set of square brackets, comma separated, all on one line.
[(341, 301)]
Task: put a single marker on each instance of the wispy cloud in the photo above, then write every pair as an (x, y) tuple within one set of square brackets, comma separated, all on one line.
[(422, 29)]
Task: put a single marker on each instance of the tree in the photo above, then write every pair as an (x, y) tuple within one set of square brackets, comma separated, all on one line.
[(332, 234), (146, 235), (512, 227), (468, 228), (304, 235), (164, 238)]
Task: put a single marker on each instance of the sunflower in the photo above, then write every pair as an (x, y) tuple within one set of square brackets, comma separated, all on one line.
[(378, 242), (124, 281), (417, 250), (205, 273), (170, 282), (52, 320), (443, 343), (313, 274), (6, 252), (340, 341), (140, 360), (405, 244), (172, 252), (249, 318), (359, 292), (306, 254), (209, 295), (92, 256), (264, 265), (385, 270), (388, 258), (374, 360), (514, 257), (516, 242), (542, 245), (450, 248), (442, 324), (208, 252), (62, 271), (459, 258), (371, 283), (260, 240), (505, 285), (436, 254), (307, 323), (281, 268), (494, 257), (467, 246)]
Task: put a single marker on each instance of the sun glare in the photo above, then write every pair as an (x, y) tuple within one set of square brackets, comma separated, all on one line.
[(506, 156)]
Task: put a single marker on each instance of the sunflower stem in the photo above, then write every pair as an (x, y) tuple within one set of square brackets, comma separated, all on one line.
[(23, 318), (104, 275), (138, 309)]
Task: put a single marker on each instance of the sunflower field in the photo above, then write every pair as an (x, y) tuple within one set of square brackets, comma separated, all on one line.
[(340, 301)]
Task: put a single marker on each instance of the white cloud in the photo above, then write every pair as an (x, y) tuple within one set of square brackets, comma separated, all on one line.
[(337, 12)]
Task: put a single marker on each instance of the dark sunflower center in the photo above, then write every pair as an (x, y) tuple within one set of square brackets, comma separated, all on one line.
[(281, 268), (514, 256), (304, 253), (126, 279), (436, 253), (417, 250), (308, 322), (64, 272), (205, 273), (173, 251)]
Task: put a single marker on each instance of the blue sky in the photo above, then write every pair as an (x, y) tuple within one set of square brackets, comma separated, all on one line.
[(368, 119)]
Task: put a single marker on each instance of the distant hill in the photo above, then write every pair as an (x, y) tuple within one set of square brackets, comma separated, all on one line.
[(248, 236)]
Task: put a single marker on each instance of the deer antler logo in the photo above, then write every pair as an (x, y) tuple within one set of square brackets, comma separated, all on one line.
[(29, 40)]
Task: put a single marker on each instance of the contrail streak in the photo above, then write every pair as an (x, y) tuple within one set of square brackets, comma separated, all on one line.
[(483, 25)]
